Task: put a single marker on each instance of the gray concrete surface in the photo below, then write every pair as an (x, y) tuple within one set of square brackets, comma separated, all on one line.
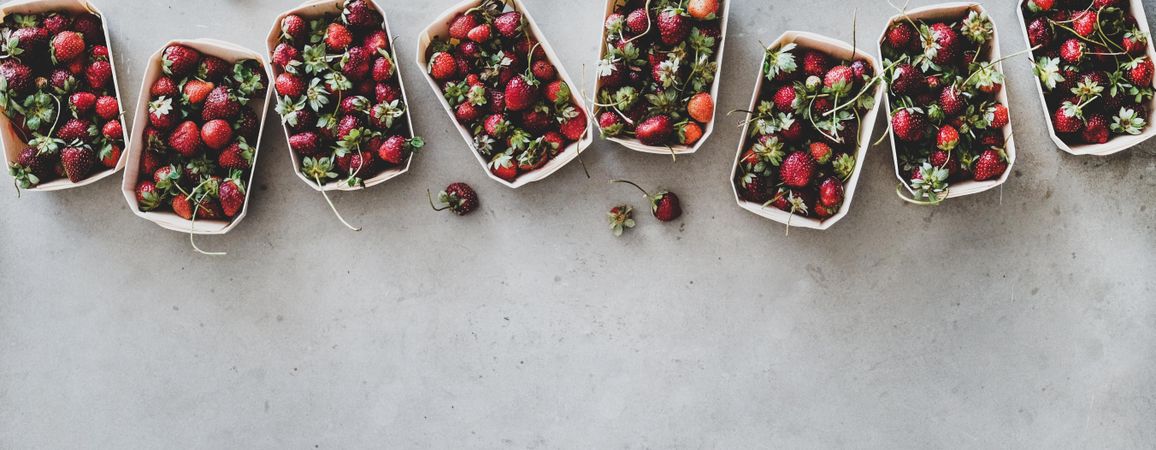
[(1026, 323)]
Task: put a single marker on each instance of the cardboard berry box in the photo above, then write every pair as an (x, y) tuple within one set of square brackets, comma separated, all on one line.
[(440, 27), (10, 139), (837, 49), (315, 9), (952, 12), (167, 219), (1117, 143), (708, 128)]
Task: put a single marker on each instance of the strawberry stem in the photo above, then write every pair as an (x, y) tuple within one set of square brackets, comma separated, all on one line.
[(647, 194), (334, 208), (192, 228), (431, 202)]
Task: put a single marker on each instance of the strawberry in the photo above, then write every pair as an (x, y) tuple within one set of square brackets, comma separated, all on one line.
[(909, 125), (543, 70), (82, 102), (459, 198), (944, 46), (900, 35), (163, 87), (110, 155), (307, 143), (396, 149), (294, 28), (74, 129), (665, 205), (360, 15), (509, 24), (1096, 130), (337, 37), (1072, 51), (237, 156), (443, 66), (797, 170), (67, 46), (285, 54), (689, 133), (216, 134), (113, 130), (831, 192), (220, 104), (54, 22), (990, 165), (655, 131), (17, 76), (77, 162), (461, 26), (673, 28), (89, 25), (98, 74), (1140, 72), (289, 85), (382, 69), (952, 101), (839, 80), (1040, 33), (575, 127), (180, 60), (999, 116), (186, 139), (480, 33), (702, 9), (467, 113), (520, 93), (196, 91), (1068, 119), (947, 138), (816, 64), (502, 166), (148, 197), (1040, 5), (161, 115), (231, 192), (1085, 22), (908, 80), (701, 107), (1135, 42), (820, 152), (213, 69), (638, 21), (107, 107)]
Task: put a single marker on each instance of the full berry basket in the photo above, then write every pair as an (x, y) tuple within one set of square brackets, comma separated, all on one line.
[(838, 49), (950, 12), (13, 143), (1117, 143), (708, 129), (316, 9), (440, 27), (167, 219)]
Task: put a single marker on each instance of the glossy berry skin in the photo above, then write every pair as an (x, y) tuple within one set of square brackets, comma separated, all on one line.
[(666, 206)]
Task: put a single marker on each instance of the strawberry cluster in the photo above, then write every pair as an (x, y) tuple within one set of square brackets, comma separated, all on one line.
[(57, 90), (339, 95), (199, 143), (505, 90), (1091, 60), (804, 132), (658, 66), (945, 118)]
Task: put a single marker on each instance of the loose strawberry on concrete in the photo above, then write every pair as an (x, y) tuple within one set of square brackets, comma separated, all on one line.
[(505, 90), (56, 88), (659, 64), (944, 92)]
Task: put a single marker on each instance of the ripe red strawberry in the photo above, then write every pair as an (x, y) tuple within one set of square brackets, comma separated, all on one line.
[(74, 129), (797, 170), (999, 117), (467, 113), (989, 165), (67, 46), (231, 192), (502, 166), (1135, 42), (543, 70), (948, 42), (1040, 5), (459, 198), (831, 192), (520, 94), (574, 127), (1084, 22), (107, 107), (294, 28), (655, 131), (816, 64), (57, 22), (196, 91), (110, 155), (700, 107), (1072, 51), (220, 104), (480, 33), (337, 37), (1141, 72), (82, 102), (558, 92), (307, 143), (395, 150), (284, 54), (186, 139), (148, 197), (161, 115), (664, 205), (702, 9), (901, 35), (360, 15), (1066, 122), (820, 152), (461, 26), (180, 61), (216, 134), (1096, 130), (213, 69), (18, 76), (77, 162), (839, 80), (638, 21), (509, 24), (952, 101), (163, 87), (237, 156), (382, 69), (909, 125), (908, 80), (290, 85), (89, 25), (673, 28), (113, 130), (443, 66), (31, 40), (1040, 33), (947, 138)]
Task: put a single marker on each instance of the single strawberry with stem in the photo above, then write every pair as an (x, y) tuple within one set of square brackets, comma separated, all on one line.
[(663, 204), (459, 198)]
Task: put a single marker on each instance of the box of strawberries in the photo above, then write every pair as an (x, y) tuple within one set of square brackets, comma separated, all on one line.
[(340, 95), (61, 124), (950, 131), (498, 78), (1094, 64), (658, 73), (196, 135), (807, 130)]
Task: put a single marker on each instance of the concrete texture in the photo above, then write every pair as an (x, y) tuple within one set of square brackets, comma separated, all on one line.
[(1022, 318)]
